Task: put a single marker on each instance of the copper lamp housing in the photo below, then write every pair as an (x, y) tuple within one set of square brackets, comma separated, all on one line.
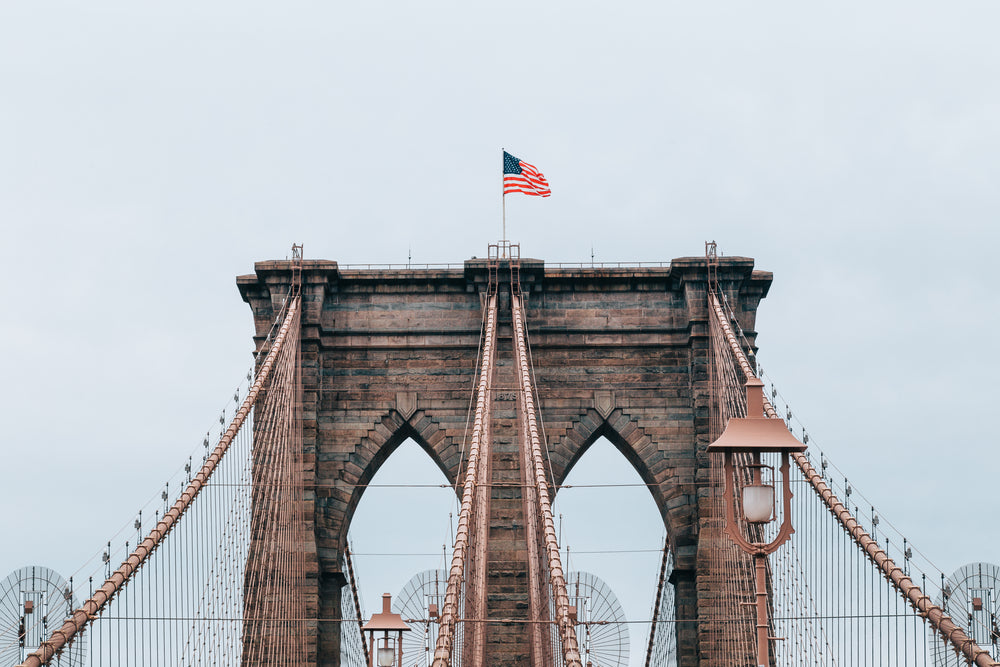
[(756, 435), (385, 622)]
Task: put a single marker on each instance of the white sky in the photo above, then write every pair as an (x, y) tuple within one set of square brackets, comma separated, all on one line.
[(150, 152)]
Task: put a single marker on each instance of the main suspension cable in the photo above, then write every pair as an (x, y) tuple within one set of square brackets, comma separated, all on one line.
[(456, 576)]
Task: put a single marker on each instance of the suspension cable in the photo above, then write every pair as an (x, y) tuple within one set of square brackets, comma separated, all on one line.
[(912, 593), (656, 602), (357, 601), (120, 577), (450, 611), (571, 651)]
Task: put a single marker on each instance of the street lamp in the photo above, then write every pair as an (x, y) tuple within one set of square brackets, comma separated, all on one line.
[(389, 650), (751, 438)]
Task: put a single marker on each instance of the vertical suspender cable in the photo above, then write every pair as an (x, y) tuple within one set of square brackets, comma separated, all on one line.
[(357, 600), (937, 617), (89, 610), (656, 602)]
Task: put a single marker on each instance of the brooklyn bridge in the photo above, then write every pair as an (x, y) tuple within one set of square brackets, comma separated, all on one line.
[(505, 370)]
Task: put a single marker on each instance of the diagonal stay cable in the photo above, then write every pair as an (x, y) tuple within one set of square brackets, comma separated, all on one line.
[(901, 581), (79, 619)]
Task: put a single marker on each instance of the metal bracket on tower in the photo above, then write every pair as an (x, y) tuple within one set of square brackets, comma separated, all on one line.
[(514, 252), (712, 261), (493, 264), (296, 268)]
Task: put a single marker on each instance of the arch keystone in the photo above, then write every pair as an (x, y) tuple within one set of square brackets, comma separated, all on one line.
[(604, 402), (406, 403)]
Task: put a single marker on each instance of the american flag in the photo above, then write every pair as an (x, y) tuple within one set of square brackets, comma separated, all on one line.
[(519, 176)]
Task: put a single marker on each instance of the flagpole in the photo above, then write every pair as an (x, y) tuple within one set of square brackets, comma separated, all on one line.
[(503, 197)]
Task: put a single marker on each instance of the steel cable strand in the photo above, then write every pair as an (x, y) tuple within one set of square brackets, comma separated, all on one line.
[(726, 558), (570, 648), (354, 596), (274, 630), (538, 569), (298, 510), (281, 583), (225, 528), (478, 561), (79, 619), (264, 473), (902, 582), (261, 490), (272, 400), (730, 403), (219, 566), (267, 520), (291, 642), (235, 599), (734, 566), (531, 368), (805, 597), (141, 625), (833, 466), (449, 612), (539, 644), (656, 602), (472, 393), (196, 617), (226, 515), (238, 509), (735, 399), (279, 320), (354, 643), (245, 536), (270, 519), (268, 566)]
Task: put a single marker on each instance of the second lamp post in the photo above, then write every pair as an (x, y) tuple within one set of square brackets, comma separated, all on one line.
[(743, 444)]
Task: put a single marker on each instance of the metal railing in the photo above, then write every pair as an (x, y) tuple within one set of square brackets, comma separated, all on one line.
[(549, 265)]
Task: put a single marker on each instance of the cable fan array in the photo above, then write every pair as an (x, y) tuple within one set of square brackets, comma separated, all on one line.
[(220, 576), (837, 596)]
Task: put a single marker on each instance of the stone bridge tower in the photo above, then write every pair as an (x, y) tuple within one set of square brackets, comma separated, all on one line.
[(620, 353)]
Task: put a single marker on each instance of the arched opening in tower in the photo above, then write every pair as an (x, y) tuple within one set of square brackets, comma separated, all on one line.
[(612, 539), (401, 533)]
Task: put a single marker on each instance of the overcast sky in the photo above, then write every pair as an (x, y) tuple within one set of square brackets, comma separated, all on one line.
[(151, 152)]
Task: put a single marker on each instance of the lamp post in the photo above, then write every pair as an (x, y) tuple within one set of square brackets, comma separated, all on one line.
[(389, 649), (752, 437)]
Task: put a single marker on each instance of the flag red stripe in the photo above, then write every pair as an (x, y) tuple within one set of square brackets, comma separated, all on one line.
[(540, 182), (509, 178), (529, 182), (526, 191), (525, 184)]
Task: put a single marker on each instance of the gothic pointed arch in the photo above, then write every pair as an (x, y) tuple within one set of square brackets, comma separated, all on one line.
[(375, 448), (628, 435)]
